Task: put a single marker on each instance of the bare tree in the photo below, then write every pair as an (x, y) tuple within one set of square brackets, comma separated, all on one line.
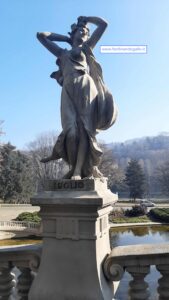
[(110, 169), (40, 148)]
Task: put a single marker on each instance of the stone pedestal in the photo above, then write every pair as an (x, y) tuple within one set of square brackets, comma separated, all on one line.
[(75, 240)]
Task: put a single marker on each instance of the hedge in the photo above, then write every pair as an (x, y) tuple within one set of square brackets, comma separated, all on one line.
[(160, 214), (135, 211), (29, 217)]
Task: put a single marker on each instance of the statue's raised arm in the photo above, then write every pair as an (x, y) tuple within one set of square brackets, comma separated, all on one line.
[(47, 39), (96, 35), (87, 106)]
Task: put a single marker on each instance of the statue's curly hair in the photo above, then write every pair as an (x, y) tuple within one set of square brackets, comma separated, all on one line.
[(77, 25)]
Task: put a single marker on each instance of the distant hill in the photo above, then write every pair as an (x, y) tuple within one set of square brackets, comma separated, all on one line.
[(149, 141), (150, 151)]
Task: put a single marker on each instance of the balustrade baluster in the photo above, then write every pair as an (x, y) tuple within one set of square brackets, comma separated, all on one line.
[(24, 283), (7, 282), (163, 288), (138, 287)]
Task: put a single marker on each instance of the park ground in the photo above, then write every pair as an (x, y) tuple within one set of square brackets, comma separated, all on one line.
[(9, 212)]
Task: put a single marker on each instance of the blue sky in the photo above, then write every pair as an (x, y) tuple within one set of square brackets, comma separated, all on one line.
[(30, 99)]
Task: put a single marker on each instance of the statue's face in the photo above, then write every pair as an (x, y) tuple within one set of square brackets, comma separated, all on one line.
[(80, 35)]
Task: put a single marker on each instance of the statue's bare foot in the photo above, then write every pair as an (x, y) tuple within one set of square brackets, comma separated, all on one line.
[(76, 176)]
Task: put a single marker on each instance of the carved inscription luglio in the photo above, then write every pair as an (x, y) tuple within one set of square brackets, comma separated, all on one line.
[(64, 185)]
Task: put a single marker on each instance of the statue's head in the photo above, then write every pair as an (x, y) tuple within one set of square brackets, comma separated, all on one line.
[(79, 32)]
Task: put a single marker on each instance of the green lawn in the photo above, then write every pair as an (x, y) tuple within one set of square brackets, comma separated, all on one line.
[(141, 219)]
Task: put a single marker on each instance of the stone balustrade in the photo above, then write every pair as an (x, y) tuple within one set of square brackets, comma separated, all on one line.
[(18, 267), (18, 224), (136, 260), (10, 229)]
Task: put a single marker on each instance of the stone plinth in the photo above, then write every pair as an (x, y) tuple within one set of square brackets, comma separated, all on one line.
[(75, 240)]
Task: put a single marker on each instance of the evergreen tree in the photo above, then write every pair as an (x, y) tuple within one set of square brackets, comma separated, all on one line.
[(135, 179), (16, 180), (1, 133), (163, 178)]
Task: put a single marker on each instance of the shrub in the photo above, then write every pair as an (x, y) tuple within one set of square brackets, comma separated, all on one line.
[(117, 213), (160, 214), (135, 211), (29, 217)]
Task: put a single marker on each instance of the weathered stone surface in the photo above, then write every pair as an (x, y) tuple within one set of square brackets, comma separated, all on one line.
[(76, 185), (137, 259), (24, 258), (138, 287), (7, 282), (163, 288), (86, 104), (88, 192), (76, 241)]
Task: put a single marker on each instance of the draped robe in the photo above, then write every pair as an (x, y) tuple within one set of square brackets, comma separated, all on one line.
[(85, 102)]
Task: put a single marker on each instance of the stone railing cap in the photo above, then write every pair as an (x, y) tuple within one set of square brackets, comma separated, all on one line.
[(140, 250)]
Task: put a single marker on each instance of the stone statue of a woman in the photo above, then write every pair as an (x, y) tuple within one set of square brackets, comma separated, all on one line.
[(87, 106)]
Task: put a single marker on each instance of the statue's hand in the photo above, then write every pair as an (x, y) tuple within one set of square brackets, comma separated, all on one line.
[(82, 20), (43, 34)]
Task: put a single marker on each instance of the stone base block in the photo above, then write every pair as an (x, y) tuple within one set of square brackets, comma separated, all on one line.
[(75, 241)]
